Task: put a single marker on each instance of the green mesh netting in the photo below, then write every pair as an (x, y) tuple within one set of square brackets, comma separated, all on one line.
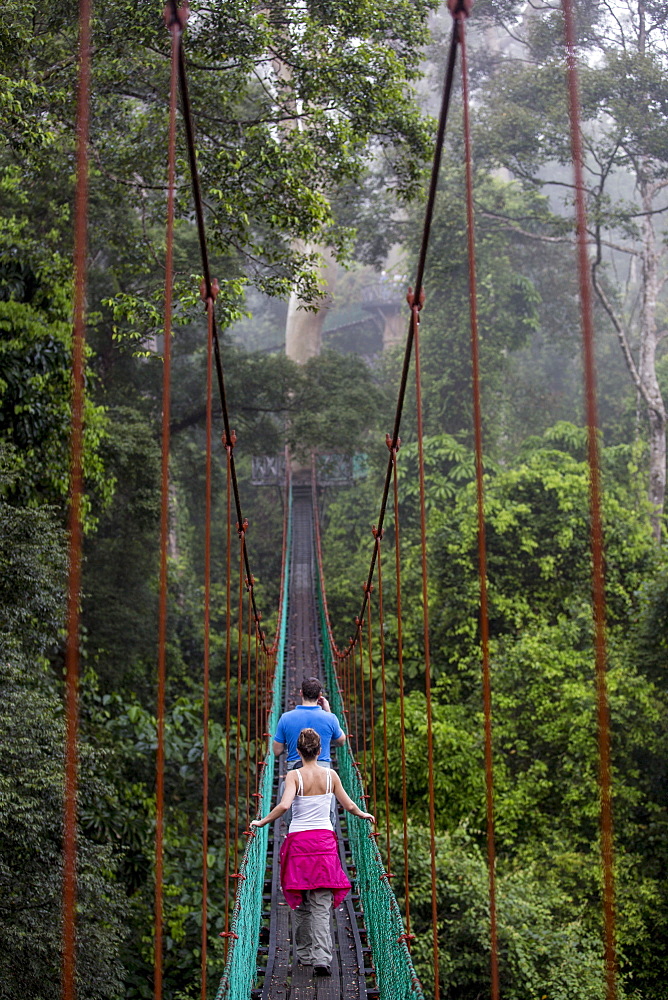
[(240, 970), (382, 917)]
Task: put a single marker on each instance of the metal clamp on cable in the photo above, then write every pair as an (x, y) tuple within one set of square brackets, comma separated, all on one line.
[(460, 8), (410, 298), (209, 295), (232, 441), (175, 15)]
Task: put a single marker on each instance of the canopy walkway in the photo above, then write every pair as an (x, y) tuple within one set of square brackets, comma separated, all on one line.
[(370, 951), (372, 954)]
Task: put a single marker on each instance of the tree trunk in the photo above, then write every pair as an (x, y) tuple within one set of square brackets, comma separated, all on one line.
[(647, 361), (303, 327)]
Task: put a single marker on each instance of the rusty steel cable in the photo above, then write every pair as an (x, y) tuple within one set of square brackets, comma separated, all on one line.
[(461, 15), (249, 642), (598, 577), (353, 667), (372, 714), (257, 696), (228, 680), (383, 680), (422, 258), (424, 243), (415, 312), (360, 643), (400, 660), (346, 684), (69, 900), (241, 529), (206, 658), (206, 269), (175, 21), (343, 670), (264, 725)]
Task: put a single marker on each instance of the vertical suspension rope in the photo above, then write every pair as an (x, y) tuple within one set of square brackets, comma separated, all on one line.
[(482, 549), (342, 676), (400, 658), (381, 632), (241, 529), (353, 669), (362, 689), (264, 721), (75, 539), (175, 24), (228, 445), (258, 695), (340, 671), (415, 314), (598, 578), (249, 639), (209, 300), (372, 721)]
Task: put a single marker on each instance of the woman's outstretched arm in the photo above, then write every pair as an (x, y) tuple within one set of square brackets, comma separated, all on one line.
[(347, 802), (285, 803)]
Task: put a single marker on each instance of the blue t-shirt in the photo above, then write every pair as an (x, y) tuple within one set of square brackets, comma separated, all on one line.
[(291, 724)]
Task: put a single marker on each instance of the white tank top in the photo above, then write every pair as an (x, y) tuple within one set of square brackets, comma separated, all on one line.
[(311, 812)]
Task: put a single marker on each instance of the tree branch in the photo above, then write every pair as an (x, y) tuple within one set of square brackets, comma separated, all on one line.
[(620, 331), (509, 223)]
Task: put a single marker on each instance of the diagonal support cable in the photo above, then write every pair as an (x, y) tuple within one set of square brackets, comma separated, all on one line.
[(179, 11)]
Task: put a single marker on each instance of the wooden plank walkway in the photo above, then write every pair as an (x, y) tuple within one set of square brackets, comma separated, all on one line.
[(283, 978)]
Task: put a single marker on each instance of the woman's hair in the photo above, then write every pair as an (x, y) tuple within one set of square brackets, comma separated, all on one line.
[(308, 744)]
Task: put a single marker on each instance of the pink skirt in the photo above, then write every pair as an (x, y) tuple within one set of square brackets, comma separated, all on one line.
[(310, 860)]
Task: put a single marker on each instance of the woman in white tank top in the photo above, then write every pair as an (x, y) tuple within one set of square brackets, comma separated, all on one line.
[(311, 875), (312, 812)]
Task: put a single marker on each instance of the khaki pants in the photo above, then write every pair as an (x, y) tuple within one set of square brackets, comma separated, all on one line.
[(311, 927)]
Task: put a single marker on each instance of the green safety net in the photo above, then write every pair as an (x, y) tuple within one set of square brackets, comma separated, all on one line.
[(240, 971), (395, 973)]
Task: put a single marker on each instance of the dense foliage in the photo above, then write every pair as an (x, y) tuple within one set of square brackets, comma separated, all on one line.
[(310, 136), (31, 782)]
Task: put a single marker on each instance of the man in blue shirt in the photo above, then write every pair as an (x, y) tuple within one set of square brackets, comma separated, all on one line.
[(313, 713)]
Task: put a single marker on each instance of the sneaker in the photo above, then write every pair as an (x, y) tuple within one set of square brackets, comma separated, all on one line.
[(322, 970)]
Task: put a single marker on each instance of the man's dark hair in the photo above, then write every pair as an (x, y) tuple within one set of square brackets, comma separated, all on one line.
[(311, 688)]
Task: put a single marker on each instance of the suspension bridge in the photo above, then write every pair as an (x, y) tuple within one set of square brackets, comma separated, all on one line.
[(371, 933)]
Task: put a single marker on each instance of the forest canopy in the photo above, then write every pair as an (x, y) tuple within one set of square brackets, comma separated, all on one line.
[(314, 127)]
